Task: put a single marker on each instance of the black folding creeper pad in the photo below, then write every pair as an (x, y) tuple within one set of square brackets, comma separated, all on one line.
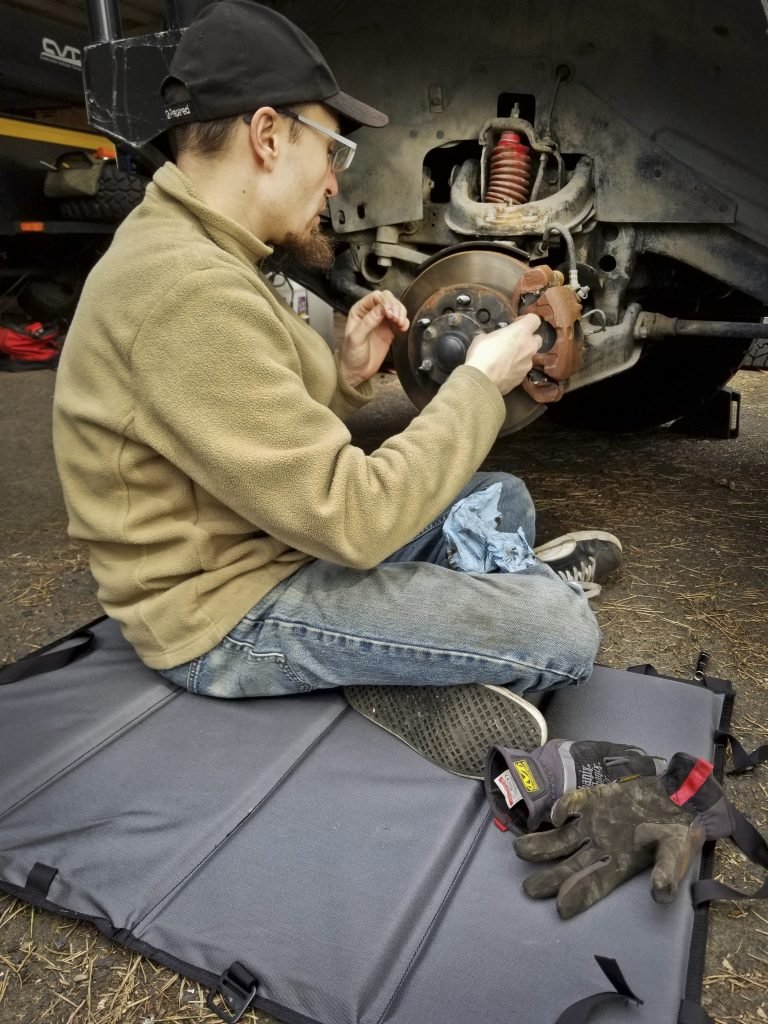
[(348, 880)]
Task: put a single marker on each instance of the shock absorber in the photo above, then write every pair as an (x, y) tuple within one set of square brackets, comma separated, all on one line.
[(510, 177)]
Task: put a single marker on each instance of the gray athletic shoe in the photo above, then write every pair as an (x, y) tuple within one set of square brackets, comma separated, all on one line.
[(452, 726), (584, 556)]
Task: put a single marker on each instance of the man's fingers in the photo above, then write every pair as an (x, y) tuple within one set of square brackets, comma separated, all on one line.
[(373, 316), (529, 320), (394, 309), (398, 316), (384, 305)]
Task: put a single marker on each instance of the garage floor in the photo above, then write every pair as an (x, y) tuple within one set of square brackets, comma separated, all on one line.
[(693, 517)]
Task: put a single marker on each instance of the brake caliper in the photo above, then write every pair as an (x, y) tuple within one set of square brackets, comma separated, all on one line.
[(541, 291)]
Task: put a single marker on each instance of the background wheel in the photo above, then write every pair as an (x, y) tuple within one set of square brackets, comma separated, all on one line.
[(50, 298), (119, 192), (671, 379), (757, 356)]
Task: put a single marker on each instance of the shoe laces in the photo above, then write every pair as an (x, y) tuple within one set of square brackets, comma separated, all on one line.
[(582, 572)]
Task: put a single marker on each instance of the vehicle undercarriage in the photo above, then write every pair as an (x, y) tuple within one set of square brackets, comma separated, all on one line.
[(625, 149)]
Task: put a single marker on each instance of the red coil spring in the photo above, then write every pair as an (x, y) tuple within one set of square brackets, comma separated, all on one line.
[(510, 177)]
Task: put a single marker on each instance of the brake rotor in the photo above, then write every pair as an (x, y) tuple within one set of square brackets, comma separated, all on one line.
[(457, 297)]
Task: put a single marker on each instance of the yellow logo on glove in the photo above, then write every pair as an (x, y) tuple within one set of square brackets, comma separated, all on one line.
[(527, 777)]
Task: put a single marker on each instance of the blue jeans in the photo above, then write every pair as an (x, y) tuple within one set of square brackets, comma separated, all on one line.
[(409, 621)]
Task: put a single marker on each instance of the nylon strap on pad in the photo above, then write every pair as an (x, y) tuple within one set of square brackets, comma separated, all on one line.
[(752, 844), (578, 1013), (233, 993), (742, 761), (39, 881), (37, 664)]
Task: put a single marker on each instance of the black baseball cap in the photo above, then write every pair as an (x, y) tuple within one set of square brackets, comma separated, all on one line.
[(238, 55)]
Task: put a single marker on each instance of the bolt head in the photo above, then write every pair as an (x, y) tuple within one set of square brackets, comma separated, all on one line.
[(463, 300), (426, 366), (502, 323), (423, 321), (429, 334)]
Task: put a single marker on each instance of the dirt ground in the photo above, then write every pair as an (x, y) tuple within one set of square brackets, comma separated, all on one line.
[(692, 515)]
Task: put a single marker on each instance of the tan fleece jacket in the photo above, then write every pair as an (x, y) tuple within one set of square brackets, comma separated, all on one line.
[(198, 435)]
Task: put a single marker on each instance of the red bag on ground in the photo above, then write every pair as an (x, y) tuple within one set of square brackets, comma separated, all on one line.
[(29, 346)]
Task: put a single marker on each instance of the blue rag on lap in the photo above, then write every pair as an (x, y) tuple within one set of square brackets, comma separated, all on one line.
[(474, 542)]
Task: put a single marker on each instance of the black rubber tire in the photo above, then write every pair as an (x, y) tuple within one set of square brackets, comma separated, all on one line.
[(671, 379), (119, 193), (757, 356), (50, 298)]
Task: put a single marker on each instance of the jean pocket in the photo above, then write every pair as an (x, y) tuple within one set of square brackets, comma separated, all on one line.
[(235, 669)]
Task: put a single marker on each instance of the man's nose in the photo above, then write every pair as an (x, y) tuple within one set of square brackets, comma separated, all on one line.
[(332, 185)]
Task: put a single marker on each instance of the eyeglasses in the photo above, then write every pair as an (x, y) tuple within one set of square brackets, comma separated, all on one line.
[(340, 156)]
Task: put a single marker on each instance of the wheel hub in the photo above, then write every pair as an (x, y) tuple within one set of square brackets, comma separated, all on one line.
[(456, 298)]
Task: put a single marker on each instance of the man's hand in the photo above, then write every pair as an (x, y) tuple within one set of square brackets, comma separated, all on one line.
[(505, 356), (370, 329)]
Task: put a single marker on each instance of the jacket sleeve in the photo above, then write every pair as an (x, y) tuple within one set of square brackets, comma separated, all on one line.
[(235, 416), (346, 399)]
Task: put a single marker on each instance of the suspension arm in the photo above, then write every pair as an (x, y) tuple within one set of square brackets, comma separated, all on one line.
[(656, 325)]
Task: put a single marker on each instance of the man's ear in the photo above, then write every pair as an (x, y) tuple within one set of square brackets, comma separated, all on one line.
[(266, 137)]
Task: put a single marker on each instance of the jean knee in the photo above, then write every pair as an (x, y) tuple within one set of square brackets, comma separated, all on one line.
[(581, 629), (570, 634), (515, 503)]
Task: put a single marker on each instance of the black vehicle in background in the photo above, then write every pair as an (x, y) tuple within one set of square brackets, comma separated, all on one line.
[(62, 190)]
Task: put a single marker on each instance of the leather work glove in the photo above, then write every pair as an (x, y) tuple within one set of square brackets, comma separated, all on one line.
[(523, 787), (609, 833)]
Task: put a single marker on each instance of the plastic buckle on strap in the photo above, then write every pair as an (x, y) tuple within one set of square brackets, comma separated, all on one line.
[(236, 988)]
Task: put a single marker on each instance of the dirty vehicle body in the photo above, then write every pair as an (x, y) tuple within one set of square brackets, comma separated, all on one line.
[(625, 147)]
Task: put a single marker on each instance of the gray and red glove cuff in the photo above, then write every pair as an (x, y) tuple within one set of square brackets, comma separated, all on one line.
[(691, 785), (522, 787)]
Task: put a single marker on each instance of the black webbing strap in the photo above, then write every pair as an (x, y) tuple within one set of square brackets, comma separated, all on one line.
[(578, 1013), (643, 670), (744, 834), (233, 993), (752, 844), (742, 761), (35, 664), (712, 683), (692, 1013), (39, 881)]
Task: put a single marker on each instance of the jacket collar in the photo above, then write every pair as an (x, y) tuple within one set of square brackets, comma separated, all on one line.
[(226, 233)]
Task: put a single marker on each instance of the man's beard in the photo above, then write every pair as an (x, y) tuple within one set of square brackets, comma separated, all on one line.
[(311, 249)]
